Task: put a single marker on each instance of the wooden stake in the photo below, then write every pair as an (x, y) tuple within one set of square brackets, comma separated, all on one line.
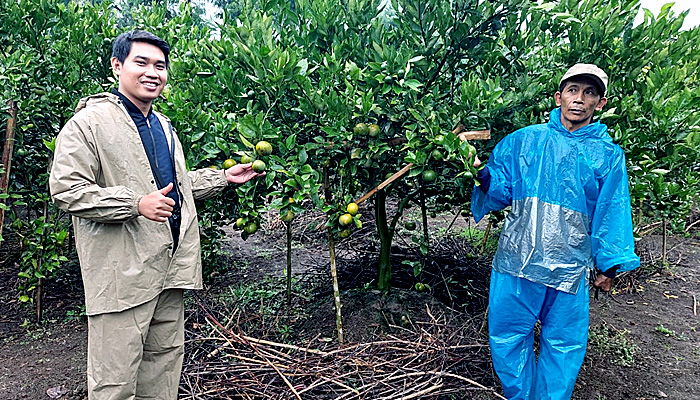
[(386, 183), (663, 243), (459, 131), (336, 289), (289, 264), (486, 238), (475, 135), (7, 154), (334, 269)]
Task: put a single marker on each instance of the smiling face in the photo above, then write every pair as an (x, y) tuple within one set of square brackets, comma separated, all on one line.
[(578, 100), (142, 75)]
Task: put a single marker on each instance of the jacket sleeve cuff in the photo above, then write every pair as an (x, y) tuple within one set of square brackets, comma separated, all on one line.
[(611, 272), (484, 178)]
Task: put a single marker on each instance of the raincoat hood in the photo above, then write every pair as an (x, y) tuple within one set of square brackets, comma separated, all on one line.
[(95, 99), (593, 130)]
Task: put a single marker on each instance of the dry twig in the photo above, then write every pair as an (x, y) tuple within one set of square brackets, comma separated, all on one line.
[(431, 360)]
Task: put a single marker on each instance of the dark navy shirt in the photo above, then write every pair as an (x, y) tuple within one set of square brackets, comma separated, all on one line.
[(160, 155)]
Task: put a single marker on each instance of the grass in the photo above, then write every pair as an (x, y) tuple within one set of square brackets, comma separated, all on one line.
[(614, 343)]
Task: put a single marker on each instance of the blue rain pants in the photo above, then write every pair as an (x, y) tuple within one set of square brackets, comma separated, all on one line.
[(515, 306)]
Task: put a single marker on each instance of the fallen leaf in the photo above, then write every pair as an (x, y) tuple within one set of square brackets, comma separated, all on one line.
[(56, 392)]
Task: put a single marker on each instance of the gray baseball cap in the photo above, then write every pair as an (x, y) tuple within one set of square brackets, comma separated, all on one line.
[(590, 71)]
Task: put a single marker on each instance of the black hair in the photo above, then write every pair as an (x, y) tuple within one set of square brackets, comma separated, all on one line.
[(122, 44), (595, 82)]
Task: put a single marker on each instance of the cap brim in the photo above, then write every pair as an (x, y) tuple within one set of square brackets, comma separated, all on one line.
[(598, 81)]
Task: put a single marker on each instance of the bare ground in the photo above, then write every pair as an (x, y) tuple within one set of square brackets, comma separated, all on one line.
[(644, 342)]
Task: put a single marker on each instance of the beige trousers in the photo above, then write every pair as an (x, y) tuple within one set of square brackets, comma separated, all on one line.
[(137, 353)]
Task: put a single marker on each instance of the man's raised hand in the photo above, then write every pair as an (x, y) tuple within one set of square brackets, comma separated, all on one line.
[(156, 206), (241, 173)]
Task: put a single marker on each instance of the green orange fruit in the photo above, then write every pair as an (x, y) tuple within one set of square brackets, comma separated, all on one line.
[(263, 148), (352, 208), (361, 129), (373, 130), (251, 228), (429, 175), (345, 219), (239, 223), (288, 216), (228, 163), (259, 166), (247, 158)]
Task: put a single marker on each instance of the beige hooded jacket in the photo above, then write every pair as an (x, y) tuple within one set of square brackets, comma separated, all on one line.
[(99, 173)]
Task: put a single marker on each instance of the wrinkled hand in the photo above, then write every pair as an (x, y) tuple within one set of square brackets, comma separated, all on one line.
[(603, 282), (156, 206), (477, 162), (241, 173)]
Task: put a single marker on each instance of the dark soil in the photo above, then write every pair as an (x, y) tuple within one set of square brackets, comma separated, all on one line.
[(644, 342)]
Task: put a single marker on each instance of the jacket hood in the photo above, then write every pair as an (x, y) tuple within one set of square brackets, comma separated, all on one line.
[(96, 98), (107, 97), (592, 130)]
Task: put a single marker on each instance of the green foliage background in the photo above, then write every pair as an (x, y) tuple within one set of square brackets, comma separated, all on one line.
[(300, 74)]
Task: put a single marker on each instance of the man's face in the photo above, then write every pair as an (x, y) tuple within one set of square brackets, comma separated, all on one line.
[(142, 75), (578, 100)]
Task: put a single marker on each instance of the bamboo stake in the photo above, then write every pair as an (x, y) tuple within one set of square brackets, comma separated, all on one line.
[(470, 135), (386, 183), (486, 238), (336, 290), (334, 270), (289, 264), (663, 243), (7, 154), (687, 229)]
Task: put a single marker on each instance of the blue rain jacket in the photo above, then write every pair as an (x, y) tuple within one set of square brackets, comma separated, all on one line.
[(570, 204)]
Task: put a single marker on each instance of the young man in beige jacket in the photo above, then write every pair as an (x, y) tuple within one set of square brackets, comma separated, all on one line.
[(119, 170)]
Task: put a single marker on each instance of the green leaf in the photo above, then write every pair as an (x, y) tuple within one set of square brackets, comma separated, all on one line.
[(195, 137), (51, 145), (222, 144), (303, 66), (246, 142), (413, 84)]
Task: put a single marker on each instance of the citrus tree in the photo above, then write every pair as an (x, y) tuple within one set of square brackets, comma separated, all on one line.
[(346, 93), (51, 54), (360, 92)]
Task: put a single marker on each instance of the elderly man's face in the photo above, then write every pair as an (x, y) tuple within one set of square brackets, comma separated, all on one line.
[(578, 100)]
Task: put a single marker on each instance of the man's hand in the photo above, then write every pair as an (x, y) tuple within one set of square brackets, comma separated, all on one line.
[(477, 162), (603, 282), (241, 173), (156, 206)]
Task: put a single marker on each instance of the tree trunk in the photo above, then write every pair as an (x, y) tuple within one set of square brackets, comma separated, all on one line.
[(385, 239), (7, 151)]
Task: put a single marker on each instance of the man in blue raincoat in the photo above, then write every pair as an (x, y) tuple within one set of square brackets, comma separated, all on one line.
[(566, 182)]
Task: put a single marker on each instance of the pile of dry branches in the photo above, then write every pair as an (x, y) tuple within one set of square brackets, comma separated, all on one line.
[(426, 360)]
